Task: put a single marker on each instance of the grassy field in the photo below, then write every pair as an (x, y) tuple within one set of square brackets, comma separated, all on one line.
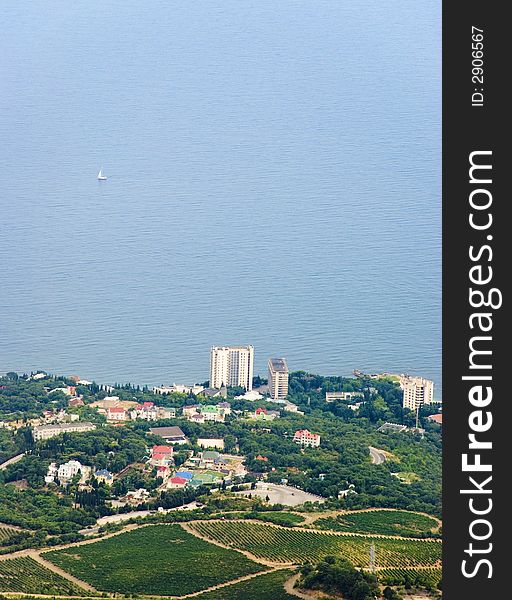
[(267, 586), (23, 574), (296, 546), (385, 522), (159, 559)]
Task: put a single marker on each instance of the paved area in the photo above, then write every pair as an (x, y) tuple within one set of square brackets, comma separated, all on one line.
[(282, 494), (377, 456)]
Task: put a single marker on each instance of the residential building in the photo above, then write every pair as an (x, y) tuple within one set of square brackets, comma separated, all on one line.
[(45, 432), (68, 470), (212, 413), (104, 476), (161, 456), (305, 438), (438, 418), (393, 427), (231, 366), (190, 410), (417, 391), (51, 473), (117, 413), (76, 402), (291, 407), (252, 395), (278, 378), (177, 483), (262, 414), (179, 388), (172, 435), (343, 396)]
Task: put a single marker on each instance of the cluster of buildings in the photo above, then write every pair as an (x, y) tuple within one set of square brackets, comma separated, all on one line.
[(116, 410), (233, 366), (65, 472), (199, 413)]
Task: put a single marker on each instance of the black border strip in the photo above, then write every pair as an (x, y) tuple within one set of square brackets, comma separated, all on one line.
[(471, 125)]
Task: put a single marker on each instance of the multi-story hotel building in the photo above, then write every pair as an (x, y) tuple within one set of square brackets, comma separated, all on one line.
[(231, 366), (277, 378), (417, 391)]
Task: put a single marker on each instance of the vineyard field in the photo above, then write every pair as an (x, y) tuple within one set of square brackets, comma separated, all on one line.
[(383, 522), (167, 556), (5, 533), (23, 574), (285, 545), (268, 585)]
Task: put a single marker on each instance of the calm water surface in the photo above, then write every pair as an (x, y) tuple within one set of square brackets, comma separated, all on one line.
[(274, 179)]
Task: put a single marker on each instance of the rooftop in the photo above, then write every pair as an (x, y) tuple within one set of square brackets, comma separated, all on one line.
[(279, 364)]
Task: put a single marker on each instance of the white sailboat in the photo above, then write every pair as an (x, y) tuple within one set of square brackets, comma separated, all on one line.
[(101, 177)]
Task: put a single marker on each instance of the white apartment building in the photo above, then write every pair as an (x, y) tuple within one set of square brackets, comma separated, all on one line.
[(69, 469), (278, 378), (417, 391), (231, 366), (45, 432)]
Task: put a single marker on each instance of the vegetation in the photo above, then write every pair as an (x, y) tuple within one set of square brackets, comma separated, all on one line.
[(292, 545), (169, 556), (23, 574), (429, 579), (338, 576), (286, 519), (268, 585), (385, 522)]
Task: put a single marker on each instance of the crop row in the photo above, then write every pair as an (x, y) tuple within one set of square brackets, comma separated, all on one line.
[(5, 532), (385, 522), (296, 546), (23, 574)]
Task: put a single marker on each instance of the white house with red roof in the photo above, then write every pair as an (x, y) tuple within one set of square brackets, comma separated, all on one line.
[(177, 482), (161, 456), (305, 438), (117, 413)]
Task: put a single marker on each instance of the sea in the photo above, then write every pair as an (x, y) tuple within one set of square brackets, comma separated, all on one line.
[(274, 179)]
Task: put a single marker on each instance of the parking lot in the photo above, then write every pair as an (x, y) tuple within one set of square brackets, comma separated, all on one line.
[(282, 494)]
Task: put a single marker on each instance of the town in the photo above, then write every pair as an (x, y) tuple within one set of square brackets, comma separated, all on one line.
[(236, 445)]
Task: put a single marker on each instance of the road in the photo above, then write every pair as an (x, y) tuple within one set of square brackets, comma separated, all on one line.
[(119, 518), (11, 461), (377, 456), (282, 494)]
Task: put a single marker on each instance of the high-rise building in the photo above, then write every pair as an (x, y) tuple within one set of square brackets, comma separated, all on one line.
[(277, 378), (231, 366), (417, 391)]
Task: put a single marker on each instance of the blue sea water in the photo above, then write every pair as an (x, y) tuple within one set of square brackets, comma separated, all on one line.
[(274, 179)]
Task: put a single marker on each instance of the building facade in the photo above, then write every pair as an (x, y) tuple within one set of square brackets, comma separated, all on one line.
[(231, 366), (306, 439), (45, 432), (417, 392), (278, 378)]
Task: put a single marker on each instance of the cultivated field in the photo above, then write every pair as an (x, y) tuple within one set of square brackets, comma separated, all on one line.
[(292, 545), (158, 559), (269, 585), (383, 522), (23, 574)]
